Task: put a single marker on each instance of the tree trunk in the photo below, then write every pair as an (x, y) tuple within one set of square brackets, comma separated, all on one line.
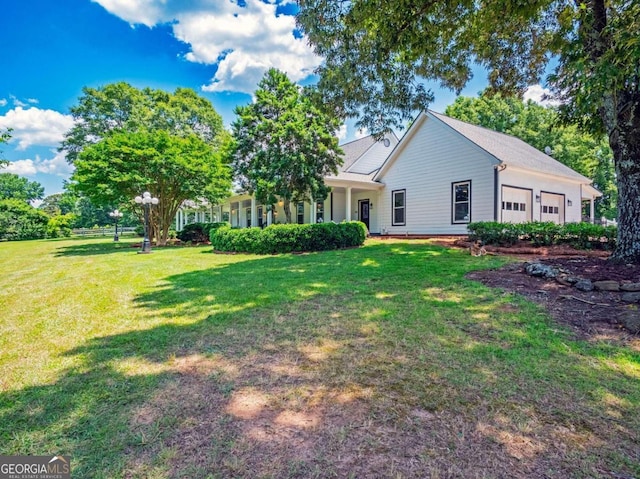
[(624, 139), (287, 211)]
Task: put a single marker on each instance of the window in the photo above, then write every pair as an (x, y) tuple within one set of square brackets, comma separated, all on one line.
[(319, 211), (300, 212), (398, 207), (461, 202), (523, 207)]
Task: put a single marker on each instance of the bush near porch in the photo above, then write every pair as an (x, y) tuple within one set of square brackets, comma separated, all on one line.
[(577, 235), (288, 238)]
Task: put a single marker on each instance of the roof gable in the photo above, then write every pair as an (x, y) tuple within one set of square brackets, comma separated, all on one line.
[(505, 149)]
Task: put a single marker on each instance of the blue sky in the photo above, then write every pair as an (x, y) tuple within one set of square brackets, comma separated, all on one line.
[(220, 48)]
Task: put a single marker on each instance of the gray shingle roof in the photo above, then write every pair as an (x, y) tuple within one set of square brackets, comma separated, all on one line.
[(509, 149), (354, 150)]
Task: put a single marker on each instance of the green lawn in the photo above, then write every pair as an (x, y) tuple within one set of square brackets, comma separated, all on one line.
[(382, 361)]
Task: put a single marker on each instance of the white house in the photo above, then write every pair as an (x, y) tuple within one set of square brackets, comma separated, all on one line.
[(443, 174)]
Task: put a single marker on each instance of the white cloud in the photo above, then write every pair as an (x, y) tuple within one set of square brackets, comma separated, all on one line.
[(537, 94), (342, 132), (33, 101), (34, 126), (243, 42), (57, 165), (3, 102), (17, 102)]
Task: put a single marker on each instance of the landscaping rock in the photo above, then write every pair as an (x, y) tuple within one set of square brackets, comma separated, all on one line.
[(631, 321), (631, 297), (584, 285), (630, 287), (607, 285), (541, 270), (573, 279)]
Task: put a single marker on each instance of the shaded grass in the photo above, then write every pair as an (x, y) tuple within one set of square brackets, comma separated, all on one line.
[(376, 362)]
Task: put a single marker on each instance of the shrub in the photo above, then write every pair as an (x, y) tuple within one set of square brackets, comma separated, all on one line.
[(21, 221), (289, 238), (60, 225), (578, 235), (197, 232), (491, 232)]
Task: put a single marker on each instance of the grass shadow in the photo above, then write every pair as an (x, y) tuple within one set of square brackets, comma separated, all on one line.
[(373, 362)]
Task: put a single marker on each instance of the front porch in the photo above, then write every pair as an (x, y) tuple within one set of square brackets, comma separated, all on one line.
[(348, 200)]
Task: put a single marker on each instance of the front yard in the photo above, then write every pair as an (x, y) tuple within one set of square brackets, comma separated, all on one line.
[(382, 361)]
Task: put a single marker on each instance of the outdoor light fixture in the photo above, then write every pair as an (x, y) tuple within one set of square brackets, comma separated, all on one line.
[(146, 200), (116, 215), (537, 198), (569, 203)]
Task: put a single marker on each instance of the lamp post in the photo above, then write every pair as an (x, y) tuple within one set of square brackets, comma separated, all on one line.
[(146, 200), (116, 215)]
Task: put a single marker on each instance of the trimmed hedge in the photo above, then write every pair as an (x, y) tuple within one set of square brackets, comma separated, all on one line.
[(197, 232), (289, 238), (577, 235), (21, 221)]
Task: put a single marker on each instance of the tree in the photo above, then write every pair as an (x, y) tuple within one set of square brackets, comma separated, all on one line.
[(121, 107), (59, 204), (284, 145), (172, 168), (126, 141), (540, 126), (18, 188), (378, 54), (21, 221)]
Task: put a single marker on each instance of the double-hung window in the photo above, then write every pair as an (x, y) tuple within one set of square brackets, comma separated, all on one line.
[(398, 207), (461, 202)]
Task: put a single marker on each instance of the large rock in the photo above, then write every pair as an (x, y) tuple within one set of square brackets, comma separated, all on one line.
[(631, 297), (607, 285), (584, 285), (541, 270), (630, 287), (631, 321)]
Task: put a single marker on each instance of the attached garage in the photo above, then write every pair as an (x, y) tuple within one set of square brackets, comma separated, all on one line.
[(552, 207), (516, 205)]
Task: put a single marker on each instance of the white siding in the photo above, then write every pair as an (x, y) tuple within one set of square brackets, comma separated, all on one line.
[(542, 183), (434, 158), (372, 196), (338, 207), (373, 158)]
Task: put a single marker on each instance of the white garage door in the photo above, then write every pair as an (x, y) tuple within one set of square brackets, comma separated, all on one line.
[(516, 205), (552, 207)]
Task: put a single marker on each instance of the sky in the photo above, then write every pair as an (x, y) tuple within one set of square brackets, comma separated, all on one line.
[(220, 48)]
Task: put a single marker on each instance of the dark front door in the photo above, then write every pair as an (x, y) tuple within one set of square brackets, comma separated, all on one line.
[(363, 207)]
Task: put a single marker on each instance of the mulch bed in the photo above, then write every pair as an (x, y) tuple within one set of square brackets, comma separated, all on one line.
[(591, 315)]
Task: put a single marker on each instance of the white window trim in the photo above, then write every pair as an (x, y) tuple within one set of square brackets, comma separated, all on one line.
[(394, 207), (454, 203)]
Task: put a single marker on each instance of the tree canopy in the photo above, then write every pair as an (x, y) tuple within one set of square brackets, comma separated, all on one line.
[(284, 145), (378, 56), (14, 187), (588, 154), (172, 168), (4, 137), (126, 141)]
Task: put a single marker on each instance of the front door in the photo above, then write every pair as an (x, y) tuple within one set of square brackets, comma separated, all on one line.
[(363, 207)]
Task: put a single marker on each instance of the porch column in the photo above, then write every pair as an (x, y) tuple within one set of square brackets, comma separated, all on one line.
[(592, 213), (347, 215), (178, 220), (269, 217), (254, 212)]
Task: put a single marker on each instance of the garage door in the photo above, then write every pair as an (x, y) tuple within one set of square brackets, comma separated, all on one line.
[(552, 207), (516, 205)]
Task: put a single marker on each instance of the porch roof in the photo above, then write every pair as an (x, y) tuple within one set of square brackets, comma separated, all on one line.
[(356, 180)]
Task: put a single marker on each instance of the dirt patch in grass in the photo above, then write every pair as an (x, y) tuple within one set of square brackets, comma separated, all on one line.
[(591, 314)]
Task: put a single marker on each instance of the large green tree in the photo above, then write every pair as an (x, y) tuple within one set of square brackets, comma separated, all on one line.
[(378, 55), (540, 126), (14, 187), (172, 168), (126, 141), (284, 145)]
